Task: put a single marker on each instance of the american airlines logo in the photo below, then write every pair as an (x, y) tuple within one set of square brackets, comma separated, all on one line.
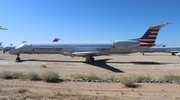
[(56, 49)]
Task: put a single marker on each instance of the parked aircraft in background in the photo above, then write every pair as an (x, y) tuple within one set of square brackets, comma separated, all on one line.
[(3, 28), (169, 49), (56, 39), (7, 48), (90, 49), (178, 54), (1, 47)]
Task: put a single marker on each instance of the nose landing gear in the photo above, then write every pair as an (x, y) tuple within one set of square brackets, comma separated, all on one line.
[(18, 58)]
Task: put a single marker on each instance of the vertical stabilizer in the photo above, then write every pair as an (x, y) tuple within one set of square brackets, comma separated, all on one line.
[(149, 37)]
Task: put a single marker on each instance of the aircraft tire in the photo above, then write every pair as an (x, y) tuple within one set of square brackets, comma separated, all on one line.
[(91, 60), (18, 59)]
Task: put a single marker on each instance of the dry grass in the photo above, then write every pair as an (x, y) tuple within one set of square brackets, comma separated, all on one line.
[(17, 75), (6, 75), (112, 77), (22, 90), (43, 66), (143, 78), (68, 97), (128, 81), (171, 77), (33, 76), (49, 76)]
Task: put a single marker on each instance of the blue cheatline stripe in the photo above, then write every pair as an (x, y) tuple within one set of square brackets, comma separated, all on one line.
[(151, 33), (148, 38)]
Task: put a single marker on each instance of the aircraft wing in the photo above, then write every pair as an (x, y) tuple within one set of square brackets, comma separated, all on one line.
[(174, 51), (85, 53)]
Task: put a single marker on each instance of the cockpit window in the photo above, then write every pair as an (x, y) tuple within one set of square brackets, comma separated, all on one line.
[(20, 46)]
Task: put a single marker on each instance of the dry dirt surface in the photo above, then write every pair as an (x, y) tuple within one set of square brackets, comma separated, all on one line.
[(155, 65)]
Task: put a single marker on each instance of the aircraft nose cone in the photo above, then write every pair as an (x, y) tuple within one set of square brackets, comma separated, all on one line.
[(13, 51)]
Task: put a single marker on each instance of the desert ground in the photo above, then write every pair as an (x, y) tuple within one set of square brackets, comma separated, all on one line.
[(155, 65)]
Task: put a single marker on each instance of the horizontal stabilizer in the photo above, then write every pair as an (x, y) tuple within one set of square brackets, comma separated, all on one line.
[(159, 26)]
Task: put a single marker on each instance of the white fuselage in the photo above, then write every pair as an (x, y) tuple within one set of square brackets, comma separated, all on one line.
[(75, 49)]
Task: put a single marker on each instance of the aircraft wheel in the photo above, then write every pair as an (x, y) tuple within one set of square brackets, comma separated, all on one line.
[(173, 53), (18, 59), (91, 60)]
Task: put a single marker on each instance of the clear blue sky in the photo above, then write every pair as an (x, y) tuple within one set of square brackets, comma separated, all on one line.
[(87, 20)]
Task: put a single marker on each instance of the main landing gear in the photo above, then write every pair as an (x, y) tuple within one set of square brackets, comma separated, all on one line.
[(89, 59), (173, 54), (18, 58)]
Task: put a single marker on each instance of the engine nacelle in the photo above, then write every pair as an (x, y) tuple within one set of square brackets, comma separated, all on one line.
[(126, 44)]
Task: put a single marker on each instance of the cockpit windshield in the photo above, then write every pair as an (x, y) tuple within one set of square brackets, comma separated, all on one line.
[(20, 46)]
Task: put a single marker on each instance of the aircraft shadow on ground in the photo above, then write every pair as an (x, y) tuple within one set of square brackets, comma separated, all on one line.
[(101, 63), (97, 63), (140, 63)]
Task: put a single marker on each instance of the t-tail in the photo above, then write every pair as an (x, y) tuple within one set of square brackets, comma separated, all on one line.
[(56, 39), (149, 37)]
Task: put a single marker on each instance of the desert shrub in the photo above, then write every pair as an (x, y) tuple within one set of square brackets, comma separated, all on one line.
[(6, 75), (76, 76), (91, 77), (112, 77), (128, 81), (171, 77), (17, 75), (33, 76), (49, 76), (143, 78), (43, 66), (22, 90)]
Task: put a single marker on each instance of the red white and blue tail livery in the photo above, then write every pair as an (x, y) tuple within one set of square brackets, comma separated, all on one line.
[(149, 37)]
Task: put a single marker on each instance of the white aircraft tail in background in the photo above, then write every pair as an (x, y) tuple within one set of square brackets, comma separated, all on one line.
[(3, 28), (56, 39)]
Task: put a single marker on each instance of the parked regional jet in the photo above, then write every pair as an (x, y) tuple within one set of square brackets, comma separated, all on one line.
[(1, 47), (3, 28), (168, 49), (178, 54), (90, 49)]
